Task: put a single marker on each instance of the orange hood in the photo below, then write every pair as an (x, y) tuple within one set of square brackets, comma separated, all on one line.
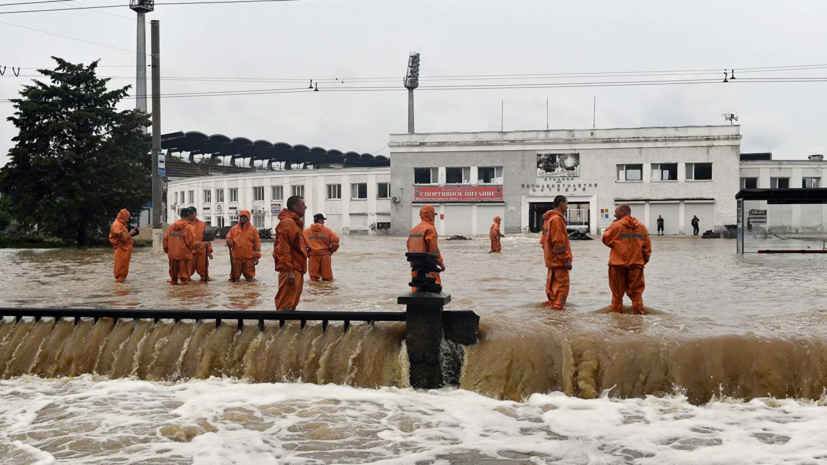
[(551, 213), (123, 216), (285, 213), (497, 219), (180, 225), (316, 227), (629, 222), (427, 214)]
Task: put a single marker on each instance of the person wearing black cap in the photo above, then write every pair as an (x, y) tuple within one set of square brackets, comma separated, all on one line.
[(179, 244), (321, 242), (200, 261)]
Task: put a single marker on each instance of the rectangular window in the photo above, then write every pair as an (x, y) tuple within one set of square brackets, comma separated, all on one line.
[(233, 195), (383, 190), (208, 220), (219, 195), (278, 192), (630, 172), (490, 175), (191, 196), (359, 191), (220, 222), (207, 196), (457, 175), (258, 194), (749, 183), (298, 190), (699, 171), (334, 191), (426, 175), (258, 221), (779, 183), (664, 171), (810, 183)]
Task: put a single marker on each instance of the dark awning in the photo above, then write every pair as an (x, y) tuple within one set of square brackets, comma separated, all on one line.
[(241, 147), (784, 196)]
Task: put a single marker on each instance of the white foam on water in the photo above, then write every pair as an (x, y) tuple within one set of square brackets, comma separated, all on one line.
[(217, 421)]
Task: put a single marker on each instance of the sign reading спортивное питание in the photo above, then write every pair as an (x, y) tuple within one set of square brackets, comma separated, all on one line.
[(459, 194)]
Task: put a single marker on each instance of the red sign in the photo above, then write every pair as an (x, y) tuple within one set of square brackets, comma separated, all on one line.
[(458, 194)]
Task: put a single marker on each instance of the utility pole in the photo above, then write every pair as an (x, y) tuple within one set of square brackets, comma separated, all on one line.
[(411, 83), (157, 181), (141, 7)]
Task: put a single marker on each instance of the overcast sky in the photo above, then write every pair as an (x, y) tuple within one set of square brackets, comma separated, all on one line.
[(344, 39)]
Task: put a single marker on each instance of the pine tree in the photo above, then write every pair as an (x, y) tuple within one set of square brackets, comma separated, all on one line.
[(77, 160)]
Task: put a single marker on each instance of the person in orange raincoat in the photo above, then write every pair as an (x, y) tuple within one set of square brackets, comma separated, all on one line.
[(121, 238), (494, 234), (631, 249), (179, 244), (200, 256), (321, 242), (245, 248), (557, 254), (423, 238), (290, 254)]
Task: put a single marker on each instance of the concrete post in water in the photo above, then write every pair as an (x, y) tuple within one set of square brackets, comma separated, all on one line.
[(426, 325), (157, 181)]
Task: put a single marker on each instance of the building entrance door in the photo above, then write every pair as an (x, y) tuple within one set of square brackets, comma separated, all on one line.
[(577, 216), (536, 211)]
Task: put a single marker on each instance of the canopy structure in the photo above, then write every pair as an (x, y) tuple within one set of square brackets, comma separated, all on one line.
[(782, 220), (218, 145)]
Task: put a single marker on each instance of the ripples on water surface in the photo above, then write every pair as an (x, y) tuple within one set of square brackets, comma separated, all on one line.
[(727, 327)]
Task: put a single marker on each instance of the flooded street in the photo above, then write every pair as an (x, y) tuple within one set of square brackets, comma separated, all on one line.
[(732, 363)]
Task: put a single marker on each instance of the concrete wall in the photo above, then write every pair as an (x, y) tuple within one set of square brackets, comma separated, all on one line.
[(362, 213), (600, 152)]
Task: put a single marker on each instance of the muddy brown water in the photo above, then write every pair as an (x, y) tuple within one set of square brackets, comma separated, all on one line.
[(722, 324)]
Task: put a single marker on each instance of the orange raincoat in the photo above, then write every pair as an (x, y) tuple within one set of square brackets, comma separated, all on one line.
[(246, 247), (631, 249), (290, 254), (556, 251), (121, 240), (423, 238), (321, 242), (494, 234), (199, 257), (179, 244)]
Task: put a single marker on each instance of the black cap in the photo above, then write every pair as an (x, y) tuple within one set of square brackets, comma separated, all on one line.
[(318, 216), (193, 210), (185, 211)]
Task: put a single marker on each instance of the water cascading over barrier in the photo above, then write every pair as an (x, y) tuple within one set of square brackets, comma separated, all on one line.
[(263, 346)]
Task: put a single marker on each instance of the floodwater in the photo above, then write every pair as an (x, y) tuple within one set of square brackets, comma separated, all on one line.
[(731, 366)]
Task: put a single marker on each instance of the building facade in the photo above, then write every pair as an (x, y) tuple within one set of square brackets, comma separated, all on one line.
[(760, 171), (354, 200), (673, 172)]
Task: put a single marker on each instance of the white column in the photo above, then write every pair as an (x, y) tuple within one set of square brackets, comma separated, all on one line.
[(593, 215), (474, 176), (682, 218), (647, 207), (373, 191), (346, 204), (474, 229)]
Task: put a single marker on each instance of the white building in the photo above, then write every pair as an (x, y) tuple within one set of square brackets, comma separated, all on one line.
[(760, 171), (673, 172), (354, 200)]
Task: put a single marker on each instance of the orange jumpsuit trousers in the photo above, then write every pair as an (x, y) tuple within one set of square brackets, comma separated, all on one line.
[(179, 270), (496, 245), (320, 267), (242, 267), (557, 287), (627, 281), (122, 257), (288, 297)]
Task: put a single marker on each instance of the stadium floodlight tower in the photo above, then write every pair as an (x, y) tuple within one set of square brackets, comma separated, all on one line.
[(142, 7), (411, 83)]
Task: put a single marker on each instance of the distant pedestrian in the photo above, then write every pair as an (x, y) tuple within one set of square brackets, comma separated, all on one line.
[(290, 254), (322, 243), (631, 249), (121, 238), (660, 225), (695, 225), (494, 235)]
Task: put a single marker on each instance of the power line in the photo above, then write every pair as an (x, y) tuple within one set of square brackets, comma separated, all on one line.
[(33, 3), (97, 7), (67, 37)]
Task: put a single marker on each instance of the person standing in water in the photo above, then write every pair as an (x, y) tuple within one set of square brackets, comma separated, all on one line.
[(557, 254), (245, 248), (322, 243), (695, 225), (179, 244), (424, 238), (201, 256), (660, 225), (631, 250), (121, 238), (494, 235), (290, 254)]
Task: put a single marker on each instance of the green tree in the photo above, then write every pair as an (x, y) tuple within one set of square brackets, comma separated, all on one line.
[(77, 160), (5, 214)]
